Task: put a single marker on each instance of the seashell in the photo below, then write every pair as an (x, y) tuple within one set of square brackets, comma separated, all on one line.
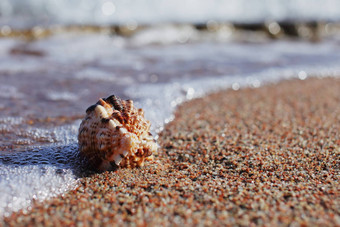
[(115, 134)]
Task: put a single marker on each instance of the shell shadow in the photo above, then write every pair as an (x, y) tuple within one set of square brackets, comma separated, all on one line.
[(62, 158)]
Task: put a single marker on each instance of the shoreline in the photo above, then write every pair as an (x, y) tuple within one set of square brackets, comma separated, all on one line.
[(253, 156)]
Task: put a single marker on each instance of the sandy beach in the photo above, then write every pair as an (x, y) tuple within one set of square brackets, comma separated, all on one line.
[(265, 156)]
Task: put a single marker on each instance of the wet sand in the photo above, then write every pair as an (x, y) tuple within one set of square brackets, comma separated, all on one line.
[(267, 156)]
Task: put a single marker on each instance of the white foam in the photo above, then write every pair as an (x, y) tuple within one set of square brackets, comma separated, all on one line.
[(47, 171), (28, 12), (161, 99), (38, 172), (11, 120), (60, 96), (95, 74), (44, 182), (7, 91), (165, 34)]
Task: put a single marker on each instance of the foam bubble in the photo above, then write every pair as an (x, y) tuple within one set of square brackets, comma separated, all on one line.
[(170, 75)]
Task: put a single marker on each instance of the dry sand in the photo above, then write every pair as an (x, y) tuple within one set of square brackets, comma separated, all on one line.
[(267, 156)]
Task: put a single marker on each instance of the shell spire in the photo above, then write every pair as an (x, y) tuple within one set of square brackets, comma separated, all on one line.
[(115, 134)]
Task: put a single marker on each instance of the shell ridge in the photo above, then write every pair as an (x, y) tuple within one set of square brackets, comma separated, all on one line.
[(116, 102), (114, 134)]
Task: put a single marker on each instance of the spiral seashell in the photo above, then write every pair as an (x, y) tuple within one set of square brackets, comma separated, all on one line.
[(115, 134)]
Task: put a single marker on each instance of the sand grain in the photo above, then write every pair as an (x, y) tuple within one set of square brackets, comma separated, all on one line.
[(248, 157)]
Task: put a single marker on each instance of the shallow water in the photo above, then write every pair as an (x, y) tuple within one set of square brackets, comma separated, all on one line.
[(46, 85)]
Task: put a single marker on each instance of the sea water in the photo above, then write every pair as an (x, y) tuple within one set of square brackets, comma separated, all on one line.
[(40, 160), (132, 12), (46, 85)]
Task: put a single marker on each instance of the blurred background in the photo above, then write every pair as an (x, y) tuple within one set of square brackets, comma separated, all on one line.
[(304, 18), (57, 57)]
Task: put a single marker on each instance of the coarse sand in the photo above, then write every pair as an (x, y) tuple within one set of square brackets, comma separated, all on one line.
[(258, 156)]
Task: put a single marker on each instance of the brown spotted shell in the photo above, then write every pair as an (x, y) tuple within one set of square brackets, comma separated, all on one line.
[(115, 134)]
